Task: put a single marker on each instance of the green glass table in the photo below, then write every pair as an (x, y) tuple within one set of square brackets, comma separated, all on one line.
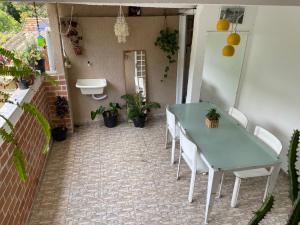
[(230, 147)]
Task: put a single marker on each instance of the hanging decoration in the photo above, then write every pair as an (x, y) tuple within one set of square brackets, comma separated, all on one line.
[(223, 25), (228, 50), (234, 38), (121, 27), (41, 42)]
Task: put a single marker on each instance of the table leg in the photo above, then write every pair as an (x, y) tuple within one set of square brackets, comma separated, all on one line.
[(273, 178), (212, 185)]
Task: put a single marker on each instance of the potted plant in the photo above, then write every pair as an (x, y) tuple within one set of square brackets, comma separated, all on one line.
[(34, 58), (74, 34), (212, 118), (138, 108), (110, 115), (59, 133)]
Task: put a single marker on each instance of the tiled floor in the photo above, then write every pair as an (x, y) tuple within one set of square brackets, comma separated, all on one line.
[(123, 176)]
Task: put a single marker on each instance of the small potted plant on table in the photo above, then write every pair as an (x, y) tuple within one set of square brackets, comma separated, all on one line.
[(110, 115), (138, 108), (59, 133), (212, 118)]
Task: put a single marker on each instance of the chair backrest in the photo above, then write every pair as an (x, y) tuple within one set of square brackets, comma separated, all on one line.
[(188, 147), (238, 116), (171, 122), (268, 138)]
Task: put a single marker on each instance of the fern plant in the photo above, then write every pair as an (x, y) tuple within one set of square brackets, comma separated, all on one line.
[(19, 69), (294, 216)]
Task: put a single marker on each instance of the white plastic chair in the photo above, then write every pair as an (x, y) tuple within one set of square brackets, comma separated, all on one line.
[(243, 121), (238, 116), (188, 151), (272, 141), (173, 130)]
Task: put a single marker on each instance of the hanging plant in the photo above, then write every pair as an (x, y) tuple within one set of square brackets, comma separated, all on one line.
[(167, 41), (74, 35)]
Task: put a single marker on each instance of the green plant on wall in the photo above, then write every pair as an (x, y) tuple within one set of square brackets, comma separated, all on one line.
[(19, 69), (167, 41), (294, 216)]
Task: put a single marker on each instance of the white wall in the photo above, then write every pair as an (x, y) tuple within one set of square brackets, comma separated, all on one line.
[(269, 93), (205, 20)]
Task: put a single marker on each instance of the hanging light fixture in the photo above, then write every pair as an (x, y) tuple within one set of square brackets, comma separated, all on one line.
[(121, 27), (41, 42)]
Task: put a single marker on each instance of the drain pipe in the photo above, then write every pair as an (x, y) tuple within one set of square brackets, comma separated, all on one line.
[(98, 96)]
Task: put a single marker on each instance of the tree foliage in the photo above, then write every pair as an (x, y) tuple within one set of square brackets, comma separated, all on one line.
[(10, 9), (8, 23)]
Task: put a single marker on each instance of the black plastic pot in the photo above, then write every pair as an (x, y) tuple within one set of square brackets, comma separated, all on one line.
[(41, 65), (110, 119), (59, 133), (139, 121), (23, 84)]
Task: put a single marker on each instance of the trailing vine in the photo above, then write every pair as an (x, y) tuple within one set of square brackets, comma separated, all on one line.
[(167, 41)]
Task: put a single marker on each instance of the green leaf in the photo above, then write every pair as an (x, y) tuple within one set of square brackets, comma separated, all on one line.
[(19, 164), (11, 126), (50, 79), (8, 137), (33, 111)]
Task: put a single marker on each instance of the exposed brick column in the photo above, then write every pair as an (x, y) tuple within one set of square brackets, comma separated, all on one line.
[(52, 92), (16, 197)]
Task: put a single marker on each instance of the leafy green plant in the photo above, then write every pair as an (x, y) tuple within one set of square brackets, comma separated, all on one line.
[(113, 109), (213, 114), (31, 55), (294, 216), (17, 70), (167, 41), (138, 106)]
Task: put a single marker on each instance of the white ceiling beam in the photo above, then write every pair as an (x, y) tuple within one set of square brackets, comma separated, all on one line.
[(173, 3)]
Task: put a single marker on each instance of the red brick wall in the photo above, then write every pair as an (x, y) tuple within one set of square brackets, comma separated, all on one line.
[(59, 90), (16, 197)]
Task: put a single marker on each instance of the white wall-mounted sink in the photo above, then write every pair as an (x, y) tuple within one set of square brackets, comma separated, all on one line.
[(91, 86)]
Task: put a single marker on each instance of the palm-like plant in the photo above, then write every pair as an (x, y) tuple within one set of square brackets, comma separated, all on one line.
[(19, 69), (137, 106)]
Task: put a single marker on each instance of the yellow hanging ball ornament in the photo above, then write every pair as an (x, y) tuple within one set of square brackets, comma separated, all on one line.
[(223, 25), (233, 39), (228, 50)]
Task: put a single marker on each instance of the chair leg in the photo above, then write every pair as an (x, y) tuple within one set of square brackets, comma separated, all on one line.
[(267, 188), (179, 160), (220, 187), (167, 138), (235, 193), (193, 177), (173, 150)]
